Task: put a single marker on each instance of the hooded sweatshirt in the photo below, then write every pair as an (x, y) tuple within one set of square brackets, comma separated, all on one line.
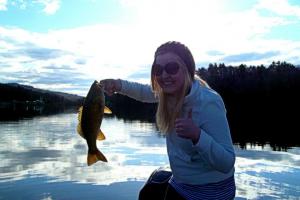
[(210, 160)]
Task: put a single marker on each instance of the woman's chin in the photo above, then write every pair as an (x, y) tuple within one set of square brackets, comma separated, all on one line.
[(169, 91)]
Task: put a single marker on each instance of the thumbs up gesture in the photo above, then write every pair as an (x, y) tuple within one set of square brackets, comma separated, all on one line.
[(186, 128)]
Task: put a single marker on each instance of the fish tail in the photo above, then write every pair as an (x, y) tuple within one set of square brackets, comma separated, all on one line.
[(94, 157)]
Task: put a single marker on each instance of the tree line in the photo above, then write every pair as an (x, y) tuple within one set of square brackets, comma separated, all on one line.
[(18, 101), (262, 102)]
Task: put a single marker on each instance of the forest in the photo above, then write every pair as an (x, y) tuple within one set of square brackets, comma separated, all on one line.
[(18, 101), (262, 102)]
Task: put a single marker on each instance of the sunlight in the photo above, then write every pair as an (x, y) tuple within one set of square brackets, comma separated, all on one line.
[(184, 21)]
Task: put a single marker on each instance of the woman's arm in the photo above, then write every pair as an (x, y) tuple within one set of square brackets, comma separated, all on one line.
[(215, 144), (140, 92)]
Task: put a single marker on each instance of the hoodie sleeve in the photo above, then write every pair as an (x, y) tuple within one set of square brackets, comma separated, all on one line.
[(215, 143), (140, 92)]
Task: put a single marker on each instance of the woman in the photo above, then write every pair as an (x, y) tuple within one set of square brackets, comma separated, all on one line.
[(193, 118)]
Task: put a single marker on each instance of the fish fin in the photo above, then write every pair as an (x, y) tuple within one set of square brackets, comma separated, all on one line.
[(80, 113), (100, 135), (79, 130), (94, 157), (107, 110)]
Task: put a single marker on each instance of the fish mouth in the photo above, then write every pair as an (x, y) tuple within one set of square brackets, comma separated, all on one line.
[(98, 84)]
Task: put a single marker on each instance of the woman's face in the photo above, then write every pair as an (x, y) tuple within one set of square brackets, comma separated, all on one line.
[(168, 70)]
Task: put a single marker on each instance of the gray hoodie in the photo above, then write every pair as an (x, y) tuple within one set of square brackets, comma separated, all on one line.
[(212, 158)]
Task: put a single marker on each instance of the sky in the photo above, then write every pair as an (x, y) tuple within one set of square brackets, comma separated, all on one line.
[(65, 45)]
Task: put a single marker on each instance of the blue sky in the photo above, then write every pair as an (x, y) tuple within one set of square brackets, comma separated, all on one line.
[(64, 45)]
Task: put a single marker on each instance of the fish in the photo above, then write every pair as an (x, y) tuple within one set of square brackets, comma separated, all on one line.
[(90, 117)]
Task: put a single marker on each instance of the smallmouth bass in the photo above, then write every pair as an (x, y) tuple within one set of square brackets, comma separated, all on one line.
[(90, 118)]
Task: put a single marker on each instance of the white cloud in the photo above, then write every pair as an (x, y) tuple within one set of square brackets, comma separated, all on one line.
[(202, 25), (281, 7), (22, 4), (3, 5), (51, 6)]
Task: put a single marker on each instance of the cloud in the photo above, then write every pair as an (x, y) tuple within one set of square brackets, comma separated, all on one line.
[(36, 53), (40, 53), (65, 57), (49, 7), (80, 61), (63, 78), (61, 68), (252, 56), (214, 53), (39, 60), (3, 5), (143, 75), (22, 4), (122, 50), (56, 78), (281, 7)]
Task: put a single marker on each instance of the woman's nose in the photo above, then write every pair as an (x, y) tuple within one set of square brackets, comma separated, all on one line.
[(164, 74)]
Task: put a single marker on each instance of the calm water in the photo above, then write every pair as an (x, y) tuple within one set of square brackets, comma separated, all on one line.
[(44, 158)]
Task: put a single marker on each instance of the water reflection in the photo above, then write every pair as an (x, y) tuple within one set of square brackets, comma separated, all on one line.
[(44, 158), (264, 174)]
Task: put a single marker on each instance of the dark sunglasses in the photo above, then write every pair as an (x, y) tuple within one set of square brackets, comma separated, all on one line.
[(171, 68)]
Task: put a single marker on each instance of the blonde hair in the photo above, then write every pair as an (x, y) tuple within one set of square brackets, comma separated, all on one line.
[(201, 81)]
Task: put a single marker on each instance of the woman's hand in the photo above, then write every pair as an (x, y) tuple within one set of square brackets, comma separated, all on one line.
[(111, 86), (186, 128)]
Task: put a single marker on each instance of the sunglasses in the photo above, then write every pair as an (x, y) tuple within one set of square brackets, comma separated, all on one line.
[(171, 68)]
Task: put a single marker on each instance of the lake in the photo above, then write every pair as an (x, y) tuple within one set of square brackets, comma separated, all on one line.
[(44, 158)]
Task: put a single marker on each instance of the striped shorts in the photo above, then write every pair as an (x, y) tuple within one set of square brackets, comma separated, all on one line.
[(223, 190)]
